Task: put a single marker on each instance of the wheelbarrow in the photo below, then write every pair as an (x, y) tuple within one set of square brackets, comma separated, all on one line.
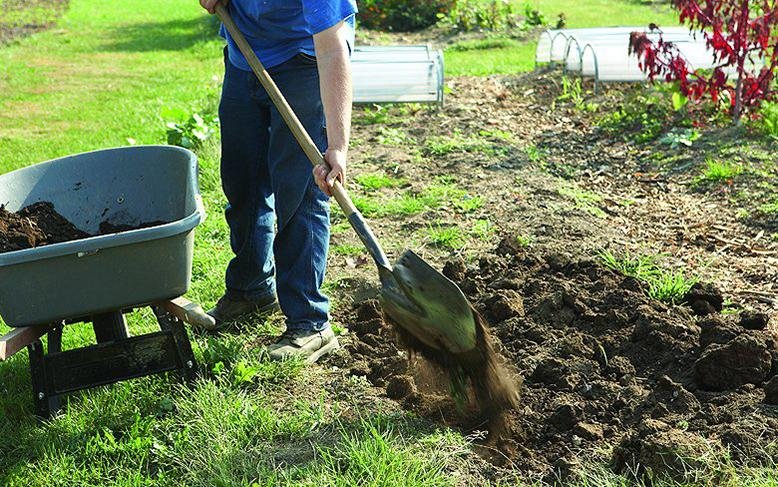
[(98, 279)]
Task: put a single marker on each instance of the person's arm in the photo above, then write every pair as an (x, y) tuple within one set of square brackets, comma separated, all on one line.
[(332, 54), (210, 5)]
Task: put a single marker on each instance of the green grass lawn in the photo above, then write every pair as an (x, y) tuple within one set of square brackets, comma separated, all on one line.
[(515, 57), (118, 63)]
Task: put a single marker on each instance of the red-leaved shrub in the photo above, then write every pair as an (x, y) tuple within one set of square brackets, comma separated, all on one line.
[(743, 35)]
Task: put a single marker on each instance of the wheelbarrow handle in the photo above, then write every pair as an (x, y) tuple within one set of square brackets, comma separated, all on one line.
[(303, 138)]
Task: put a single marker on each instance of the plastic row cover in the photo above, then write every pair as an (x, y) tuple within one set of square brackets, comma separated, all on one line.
[(397, 74), (552, 44)]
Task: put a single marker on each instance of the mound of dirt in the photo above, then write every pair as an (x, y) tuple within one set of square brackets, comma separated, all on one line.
[(606, 368), (33, 226), (39, 224)]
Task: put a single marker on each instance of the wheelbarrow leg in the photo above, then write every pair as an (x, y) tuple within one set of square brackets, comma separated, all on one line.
[(168, 322), (46, 402), (110, 327)]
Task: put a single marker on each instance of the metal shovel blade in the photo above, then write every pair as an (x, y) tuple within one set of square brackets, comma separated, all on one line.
[(427, 304)]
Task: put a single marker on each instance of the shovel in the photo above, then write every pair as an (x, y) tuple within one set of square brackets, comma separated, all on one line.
[(416, 297)]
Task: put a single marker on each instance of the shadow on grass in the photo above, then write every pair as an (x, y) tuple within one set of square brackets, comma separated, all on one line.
[(174, 35)]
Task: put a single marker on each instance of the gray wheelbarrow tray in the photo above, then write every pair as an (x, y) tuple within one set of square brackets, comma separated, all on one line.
[(77, 279)]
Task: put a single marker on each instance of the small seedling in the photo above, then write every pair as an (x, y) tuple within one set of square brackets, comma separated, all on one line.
[(573, 91), (366, 205), (243, 373), (535, 154), (449, 237), (407, 204), (340, 227), (482, 229), (678, 138), (524, 240), (394, 137), (372, 116), (496, 134), (670, 287), (442, 145), (663, 285), (337, 329), (769, 208), (375, 181), (718, 172), (469, 204)]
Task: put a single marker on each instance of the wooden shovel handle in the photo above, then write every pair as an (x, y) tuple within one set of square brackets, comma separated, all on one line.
[(299, 132)]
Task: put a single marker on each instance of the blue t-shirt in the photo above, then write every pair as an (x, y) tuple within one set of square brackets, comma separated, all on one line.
[(278, 30)]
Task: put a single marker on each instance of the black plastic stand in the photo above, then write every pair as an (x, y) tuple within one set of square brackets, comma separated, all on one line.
[(116, 357)]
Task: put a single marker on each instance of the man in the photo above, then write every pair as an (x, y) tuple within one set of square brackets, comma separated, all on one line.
[(305, 46)]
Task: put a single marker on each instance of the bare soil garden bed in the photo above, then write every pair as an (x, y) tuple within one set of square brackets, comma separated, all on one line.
[(602, 363), (610, 374)]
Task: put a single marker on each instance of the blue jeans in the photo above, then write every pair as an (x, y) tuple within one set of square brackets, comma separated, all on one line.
[(267, 180)]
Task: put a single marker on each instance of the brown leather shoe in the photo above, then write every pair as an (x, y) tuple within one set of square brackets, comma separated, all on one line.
[(310, 345), (228, 309)]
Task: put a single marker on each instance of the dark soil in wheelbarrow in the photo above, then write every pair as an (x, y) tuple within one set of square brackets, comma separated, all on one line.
[(610, 374), (39, 224)]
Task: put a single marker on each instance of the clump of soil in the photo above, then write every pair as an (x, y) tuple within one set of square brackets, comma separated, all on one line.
[(606, 368), (479, 375), (33, 226), (39, 224), (107, 228)]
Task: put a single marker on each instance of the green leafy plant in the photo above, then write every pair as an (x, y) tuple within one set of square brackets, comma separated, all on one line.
[(469, 204), (188, 130), (533, 17), (393, 136), (482, 229), (535, 154), (367, 206), (348, 249), (377, 114), (767, 120), (643, 116), (683, 137), (679, 101), (769, 208), (524, 240), (243, 373), (573, 91), (441, 145)]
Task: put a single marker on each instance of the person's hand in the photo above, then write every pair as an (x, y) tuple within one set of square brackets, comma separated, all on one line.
[(335, 169), (210, 5)]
